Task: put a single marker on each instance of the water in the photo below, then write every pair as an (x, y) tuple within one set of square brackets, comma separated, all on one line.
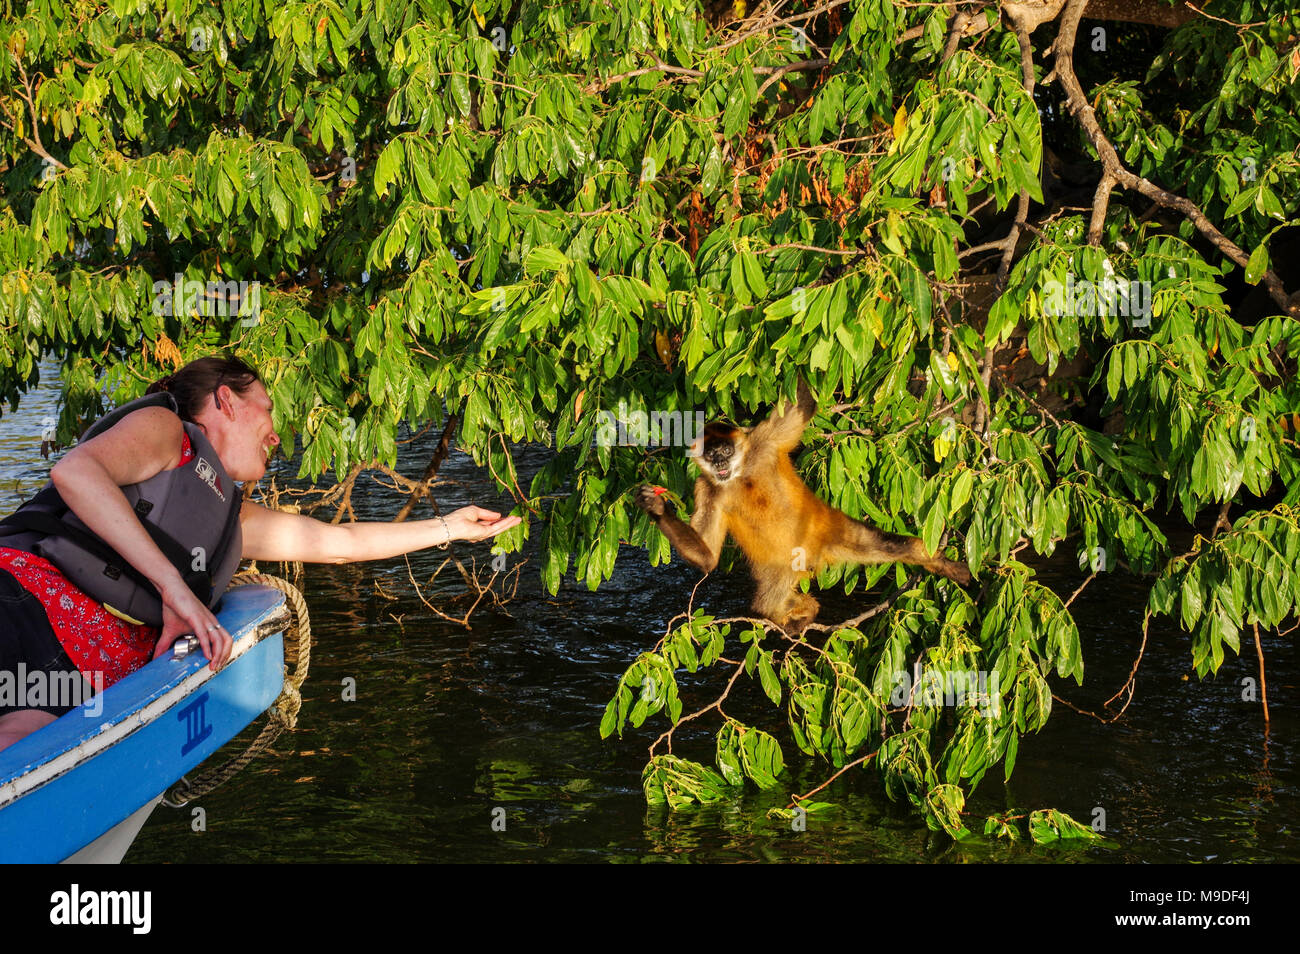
[(453, 729)]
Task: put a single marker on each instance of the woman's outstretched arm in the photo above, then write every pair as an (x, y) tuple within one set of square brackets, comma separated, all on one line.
[(277, 535)]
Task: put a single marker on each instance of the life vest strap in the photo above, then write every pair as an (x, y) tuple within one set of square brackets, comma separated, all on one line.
[(199, 581)]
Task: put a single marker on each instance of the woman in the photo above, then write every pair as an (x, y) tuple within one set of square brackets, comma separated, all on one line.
[(48, 624)]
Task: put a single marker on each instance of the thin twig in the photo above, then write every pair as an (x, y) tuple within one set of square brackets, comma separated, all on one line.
[(800, 798), (1129, 683), (667, 736), (767, 26), (1090, 578), (1210, 16), (27, 94), (430, 471), (797, 65), (1263, 686)]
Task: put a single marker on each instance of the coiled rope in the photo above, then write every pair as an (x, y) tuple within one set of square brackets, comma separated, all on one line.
[(283, 713)]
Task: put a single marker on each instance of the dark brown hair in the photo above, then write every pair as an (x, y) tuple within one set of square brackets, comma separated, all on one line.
[(199, 380)]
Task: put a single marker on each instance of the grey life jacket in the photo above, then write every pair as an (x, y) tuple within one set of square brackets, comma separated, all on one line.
[(191, 512)]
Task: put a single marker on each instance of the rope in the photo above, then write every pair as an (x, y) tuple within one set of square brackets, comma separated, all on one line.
[(283, 714)]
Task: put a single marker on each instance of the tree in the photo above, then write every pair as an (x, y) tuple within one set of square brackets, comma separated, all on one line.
[(1029, 272)]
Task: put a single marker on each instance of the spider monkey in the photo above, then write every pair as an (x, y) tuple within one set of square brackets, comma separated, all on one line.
[(749, 488)]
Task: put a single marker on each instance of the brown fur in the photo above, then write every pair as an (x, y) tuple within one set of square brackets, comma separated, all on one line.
[(772, 515)]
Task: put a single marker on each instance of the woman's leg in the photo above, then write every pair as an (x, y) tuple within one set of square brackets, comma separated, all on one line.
[(15, 725), (28, 647)]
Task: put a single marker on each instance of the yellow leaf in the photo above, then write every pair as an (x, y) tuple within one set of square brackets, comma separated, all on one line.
[(478, 17), (165, 351), (900, 122), (665, 349), (942, 446), (873, 320), (952, 361)]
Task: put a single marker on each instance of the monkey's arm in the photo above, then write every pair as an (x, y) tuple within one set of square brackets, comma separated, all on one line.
[(784, 427), (700, 544)]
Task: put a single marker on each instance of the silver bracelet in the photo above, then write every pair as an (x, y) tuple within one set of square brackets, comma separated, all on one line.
[(443, 546)]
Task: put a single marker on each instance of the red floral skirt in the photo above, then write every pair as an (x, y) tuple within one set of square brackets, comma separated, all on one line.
[(94, 639)]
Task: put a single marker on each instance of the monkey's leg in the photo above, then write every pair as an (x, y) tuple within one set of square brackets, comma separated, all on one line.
[(778, 599), (863, 543)]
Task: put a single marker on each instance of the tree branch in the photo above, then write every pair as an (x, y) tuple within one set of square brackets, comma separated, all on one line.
[(780, 71), (34, 142), (768, 26), (1113, 168), (1100, 205), (431, 471), (1008, 244), (1263, 687)]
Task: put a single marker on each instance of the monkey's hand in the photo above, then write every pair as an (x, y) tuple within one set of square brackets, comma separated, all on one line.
[(651, 500)]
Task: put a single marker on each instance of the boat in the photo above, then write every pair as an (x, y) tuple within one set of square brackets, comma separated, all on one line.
[(80, 789)]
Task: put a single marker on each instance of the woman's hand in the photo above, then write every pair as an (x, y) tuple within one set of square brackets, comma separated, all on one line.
[(474, 523), (183, 612)]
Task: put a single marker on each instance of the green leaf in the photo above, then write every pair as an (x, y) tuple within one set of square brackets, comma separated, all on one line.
[(739, 288), (610, 720), (767, 676), (1257, 265), (541, 259), (753, 274), (458, 84), (960, 492)]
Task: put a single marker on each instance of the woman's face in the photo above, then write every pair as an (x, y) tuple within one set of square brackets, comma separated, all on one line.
[(247, 435)]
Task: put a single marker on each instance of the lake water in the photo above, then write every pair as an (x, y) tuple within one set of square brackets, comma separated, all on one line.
[(449, 725)]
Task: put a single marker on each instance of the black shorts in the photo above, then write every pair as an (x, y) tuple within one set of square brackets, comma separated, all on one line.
[(27, 637)]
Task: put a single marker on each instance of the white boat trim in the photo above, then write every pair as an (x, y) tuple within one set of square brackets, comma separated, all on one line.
[(112, 733)]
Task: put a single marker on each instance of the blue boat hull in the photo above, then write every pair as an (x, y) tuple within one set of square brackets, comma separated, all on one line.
[(64, 786)]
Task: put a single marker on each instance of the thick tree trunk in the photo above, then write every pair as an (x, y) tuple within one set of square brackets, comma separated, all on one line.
[(1033, 15), (1140, 11)]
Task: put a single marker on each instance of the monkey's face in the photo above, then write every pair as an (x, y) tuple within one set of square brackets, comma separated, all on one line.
[(720, 452)]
